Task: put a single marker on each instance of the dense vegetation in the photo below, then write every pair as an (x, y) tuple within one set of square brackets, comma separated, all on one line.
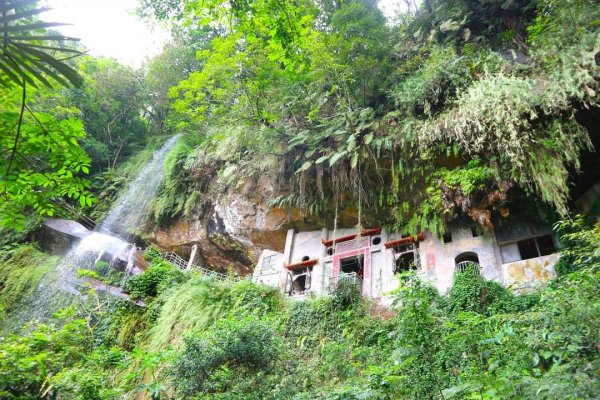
[(456, 109), (460, 108), (201, 338)]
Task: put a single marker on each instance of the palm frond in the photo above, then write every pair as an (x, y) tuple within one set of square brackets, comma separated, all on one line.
[(29, 52)]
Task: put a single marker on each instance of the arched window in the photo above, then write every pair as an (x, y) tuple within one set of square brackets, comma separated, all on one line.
[(467, 256), (467, 260)]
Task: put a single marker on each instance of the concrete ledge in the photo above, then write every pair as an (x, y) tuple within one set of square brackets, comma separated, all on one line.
[(524, 275)]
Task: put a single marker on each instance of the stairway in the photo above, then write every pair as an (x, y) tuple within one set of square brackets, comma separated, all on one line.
[(176, 260)]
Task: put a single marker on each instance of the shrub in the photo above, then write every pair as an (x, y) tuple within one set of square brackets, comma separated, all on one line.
[(246, 345), (346, 293), (472, 292), (201, 301), (21, 270), (27, 362), (153, 281), (581, 242)]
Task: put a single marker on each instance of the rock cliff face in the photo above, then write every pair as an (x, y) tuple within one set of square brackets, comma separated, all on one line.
[(235, 228)]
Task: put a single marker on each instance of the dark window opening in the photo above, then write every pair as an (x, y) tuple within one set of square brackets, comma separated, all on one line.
[(405, 262), (352, 265), (546, 245), (305, 258), (476, 230), (376, 241), (447, 237), (528, 249), (299, 284), (536, 247), (300, 281), (330, 251), (468, 261), (468, 257), (405, 248)]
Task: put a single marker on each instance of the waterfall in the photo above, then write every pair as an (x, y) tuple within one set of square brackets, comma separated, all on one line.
[(56, 290), (128, 212), (132, 206)]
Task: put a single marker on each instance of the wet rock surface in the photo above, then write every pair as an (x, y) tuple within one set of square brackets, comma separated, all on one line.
[(57, 236)]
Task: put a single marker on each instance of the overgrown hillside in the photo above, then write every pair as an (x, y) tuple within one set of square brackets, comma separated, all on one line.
[(463, 108), (206, 339), (300, 114)]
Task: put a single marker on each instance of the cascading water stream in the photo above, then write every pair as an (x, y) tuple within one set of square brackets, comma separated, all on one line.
[(128, 212), (132, 206)]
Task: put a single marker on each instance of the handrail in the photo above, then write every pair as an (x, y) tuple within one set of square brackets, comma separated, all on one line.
[(345, 277), (179, 262), (466, 265)]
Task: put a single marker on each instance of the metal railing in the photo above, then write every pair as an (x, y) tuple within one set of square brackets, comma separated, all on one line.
[(343, 278), (79, 216), (464, 266), (179, 262)]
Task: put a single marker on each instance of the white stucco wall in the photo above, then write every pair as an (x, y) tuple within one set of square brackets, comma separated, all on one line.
[(269, 277), (306, 244), (437, 258)]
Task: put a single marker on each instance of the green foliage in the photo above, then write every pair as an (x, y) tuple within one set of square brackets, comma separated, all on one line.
[(152, 282), (581, 244), (201, 301), (473, 293), (443, 75), (27, 362), (111, 102), (30, 53), (42, 160), (203, 338), (235, 347), (107, 273), (21, 270), (346, 294), (523, 352), (416, 343), (173, 199), (464, 85)]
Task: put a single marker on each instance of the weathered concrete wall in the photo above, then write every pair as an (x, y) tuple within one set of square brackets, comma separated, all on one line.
[(306, 244), (525, 274), (437, 261), (269, 276), (437, 258), (381, 271)]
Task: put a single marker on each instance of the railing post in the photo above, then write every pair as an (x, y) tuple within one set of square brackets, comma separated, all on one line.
[(192, 256)]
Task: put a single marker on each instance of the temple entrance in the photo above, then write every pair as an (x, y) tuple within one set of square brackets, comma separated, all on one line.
[(353, 264), (468, 261), (405, 262)]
